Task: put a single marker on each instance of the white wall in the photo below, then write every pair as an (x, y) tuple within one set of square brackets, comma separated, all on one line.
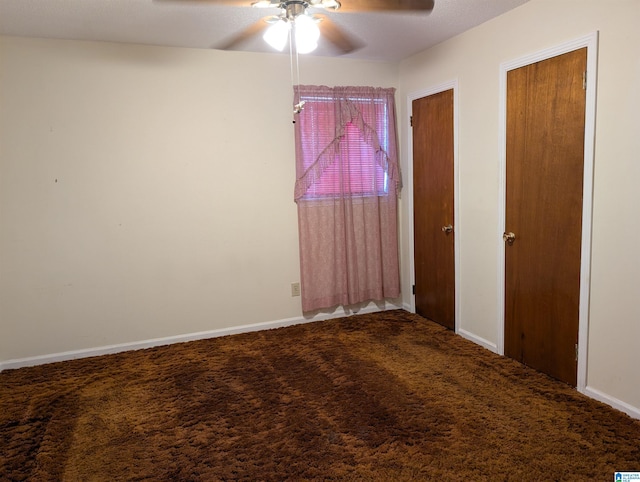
[(147, 192), (474, 58)]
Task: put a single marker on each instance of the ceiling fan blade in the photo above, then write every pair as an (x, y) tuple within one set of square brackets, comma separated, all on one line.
[(251, 31), (346, 5), (337, 36), (231, 3), (386, 5)]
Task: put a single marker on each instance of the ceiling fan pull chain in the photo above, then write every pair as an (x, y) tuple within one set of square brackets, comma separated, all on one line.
[(293, 83), (295, 70)]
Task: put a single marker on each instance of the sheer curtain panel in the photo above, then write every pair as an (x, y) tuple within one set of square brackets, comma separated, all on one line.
[(347, 185)]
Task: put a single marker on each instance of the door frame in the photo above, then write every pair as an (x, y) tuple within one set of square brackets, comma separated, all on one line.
[(589, 41), (449, 85)]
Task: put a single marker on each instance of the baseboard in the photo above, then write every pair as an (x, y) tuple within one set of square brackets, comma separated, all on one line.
[(612, 401), (588, 391), (478, 340), (138, 345), (268, 325)]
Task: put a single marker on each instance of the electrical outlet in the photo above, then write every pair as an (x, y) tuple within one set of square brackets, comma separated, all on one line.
[(295, 289)]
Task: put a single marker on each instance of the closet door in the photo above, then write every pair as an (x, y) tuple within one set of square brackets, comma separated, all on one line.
[(543, 229), (433, 206)]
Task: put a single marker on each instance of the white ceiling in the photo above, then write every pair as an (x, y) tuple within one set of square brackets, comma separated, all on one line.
[(387, 36)]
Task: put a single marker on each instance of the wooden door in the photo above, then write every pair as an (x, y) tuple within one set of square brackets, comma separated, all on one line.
[(433, 190), (544, 182)]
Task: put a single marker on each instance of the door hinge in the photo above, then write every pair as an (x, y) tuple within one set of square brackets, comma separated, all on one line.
[(411, 120), (576, 352), (413, 289), (584, 80)]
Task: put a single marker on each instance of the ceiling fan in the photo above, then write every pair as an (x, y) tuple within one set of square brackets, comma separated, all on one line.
[(298, 22)]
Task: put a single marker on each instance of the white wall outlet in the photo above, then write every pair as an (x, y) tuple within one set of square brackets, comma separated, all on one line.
[(295, 289)]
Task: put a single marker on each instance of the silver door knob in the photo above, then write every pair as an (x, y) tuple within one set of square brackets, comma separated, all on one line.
[(447, 229), (509, 238)]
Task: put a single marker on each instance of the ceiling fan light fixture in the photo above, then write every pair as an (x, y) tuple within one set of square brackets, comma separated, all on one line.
[(330, 4), (307, 34), (277, 34), (262, 4)]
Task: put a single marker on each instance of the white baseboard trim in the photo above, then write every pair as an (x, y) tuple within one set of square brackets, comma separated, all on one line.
[(234, 330), (478, 340), (612, 401), (268, 325), (464, 333)]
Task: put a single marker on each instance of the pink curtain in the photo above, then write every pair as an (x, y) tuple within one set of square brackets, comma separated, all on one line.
[(347, 183)]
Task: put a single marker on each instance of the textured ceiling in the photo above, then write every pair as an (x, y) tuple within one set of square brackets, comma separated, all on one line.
[(386, 36)]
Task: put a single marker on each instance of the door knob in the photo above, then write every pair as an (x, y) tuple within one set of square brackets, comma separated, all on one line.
[(447, 229), (509, 238)]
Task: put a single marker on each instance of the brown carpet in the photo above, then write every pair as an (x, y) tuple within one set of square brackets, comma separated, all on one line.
[(386, 396)]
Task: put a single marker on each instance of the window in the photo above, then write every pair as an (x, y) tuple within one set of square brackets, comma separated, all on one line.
[(354, 167), (345, 140)]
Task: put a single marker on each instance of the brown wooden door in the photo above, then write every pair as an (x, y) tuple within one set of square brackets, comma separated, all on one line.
[(544, 180), (433, 185)]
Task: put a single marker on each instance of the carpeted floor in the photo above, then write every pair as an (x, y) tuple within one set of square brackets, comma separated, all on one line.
[(386, 396)]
